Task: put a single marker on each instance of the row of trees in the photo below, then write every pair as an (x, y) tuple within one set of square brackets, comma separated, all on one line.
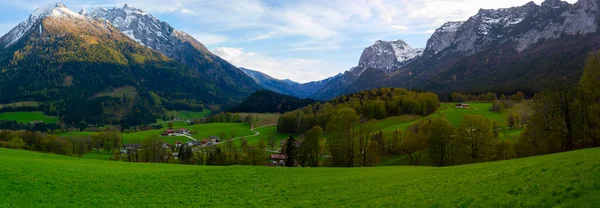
[(370, 104), (489, 97), (567, 117), (152, 149), (70, 146), (352, 143)]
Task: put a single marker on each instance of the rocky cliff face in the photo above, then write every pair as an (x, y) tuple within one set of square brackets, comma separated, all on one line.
[(526, 48), (387, 55), (384, 56), (522, 26), (158, 35)]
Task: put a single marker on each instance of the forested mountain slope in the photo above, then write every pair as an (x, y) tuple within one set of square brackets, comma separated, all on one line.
[(87, 71)]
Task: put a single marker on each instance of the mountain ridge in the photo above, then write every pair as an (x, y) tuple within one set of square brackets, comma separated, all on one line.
[(286, 86), (499, 50), (90, 73), (178, 45)]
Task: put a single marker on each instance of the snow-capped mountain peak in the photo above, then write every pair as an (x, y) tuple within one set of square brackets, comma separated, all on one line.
[(404, 52), (387, 55), (83, 12), (58, 10), (142, 27)]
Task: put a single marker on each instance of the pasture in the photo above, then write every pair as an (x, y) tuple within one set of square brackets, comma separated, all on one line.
[(203, 131), (27, 117), (455, 116), (30, 179)]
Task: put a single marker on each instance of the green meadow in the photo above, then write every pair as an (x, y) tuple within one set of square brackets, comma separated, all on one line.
[(203, 131), (455, 116), (26, 117), (30, 179)]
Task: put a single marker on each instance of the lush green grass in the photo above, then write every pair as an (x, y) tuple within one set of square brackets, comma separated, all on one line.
[(33, 179), (101, 155), (203, 131), (26, 117), (263, 119), (189, 114), (510, 134), (265, 134), (455, 116)]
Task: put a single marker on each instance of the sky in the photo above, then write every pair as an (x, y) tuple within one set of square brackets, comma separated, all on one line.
[(303, 41)]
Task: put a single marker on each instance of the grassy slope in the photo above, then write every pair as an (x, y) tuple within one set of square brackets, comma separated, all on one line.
[(455, 116), (26, 117), (203, 131), (33, 179)]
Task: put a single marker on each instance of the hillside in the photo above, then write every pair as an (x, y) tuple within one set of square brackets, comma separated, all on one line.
[(150, 31), (87, 71), (265, 101), (567, 179)]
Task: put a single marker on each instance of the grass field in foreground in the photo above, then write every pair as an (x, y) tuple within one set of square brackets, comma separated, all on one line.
[(26, 117), (31, 179)]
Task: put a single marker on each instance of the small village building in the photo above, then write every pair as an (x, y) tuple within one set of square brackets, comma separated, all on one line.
[(183, 131), (278, 159), (169, 132), (178, 144), (214, 139), (462, 105), (193, 143), (128, 148)]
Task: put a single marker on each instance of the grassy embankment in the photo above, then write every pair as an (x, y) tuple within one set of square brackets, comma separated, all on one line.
[(31, 179)]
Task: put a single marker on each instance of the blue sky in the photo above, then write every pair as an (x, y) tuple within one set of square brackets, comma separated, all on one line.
[(299, 40)]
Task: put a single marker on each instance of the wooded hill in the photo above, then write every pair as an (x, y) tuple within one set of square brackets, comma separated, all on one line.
[(369, 104), (265, 101)]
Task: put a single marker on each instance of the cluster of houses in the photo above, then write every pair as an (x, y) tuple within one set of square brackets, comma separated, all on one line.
[(212, 140), (36, 122), (178, 132)]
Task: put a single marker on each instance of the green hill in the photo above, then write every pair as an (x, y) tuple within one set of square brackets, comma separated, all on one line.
[(265, 101), (31, 179)]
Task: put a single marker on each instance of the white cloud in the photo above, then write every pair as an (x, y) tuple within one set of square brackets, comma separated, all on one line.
[(300, 70)]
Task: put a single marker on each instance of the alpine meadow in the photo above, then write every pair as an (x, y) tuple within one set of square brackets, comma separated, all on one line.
[(263, 104)]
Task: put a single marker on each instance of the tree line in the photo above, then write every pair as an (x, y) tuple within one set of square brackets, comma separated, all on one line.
[(77, 146), (567, 117), (369, 104), (488, 97)]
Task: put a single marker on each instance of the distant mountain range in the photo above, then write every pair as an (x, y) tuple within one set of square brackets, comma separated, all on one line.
[(286, 86), (125, 66), (527, 48)]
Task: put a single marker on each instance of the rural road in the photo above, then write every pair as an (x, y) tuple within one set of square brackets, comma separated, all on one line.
[(256, 133)]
